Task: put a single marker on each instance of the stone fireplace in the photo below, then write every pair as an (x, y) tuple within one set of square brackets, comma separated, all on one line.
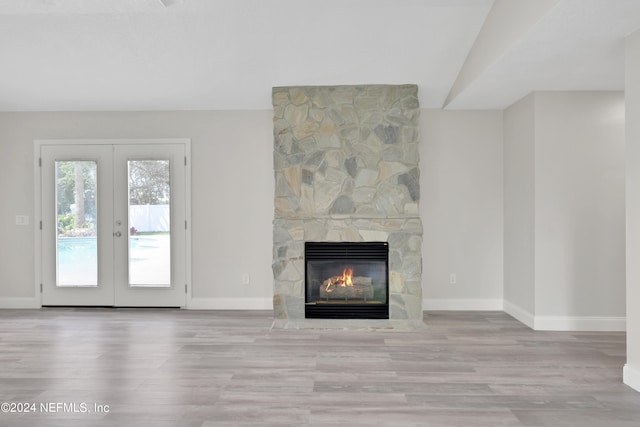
[(346, 168)]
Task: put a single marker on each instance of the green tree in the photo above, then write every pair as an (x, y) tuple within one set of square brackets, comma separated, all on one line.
[(149, 182), (76, 186)]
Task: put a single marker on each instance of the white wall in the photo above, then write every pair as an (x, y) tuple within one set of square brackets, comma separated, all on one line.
[(16, 190), (461, 209), (232, 195), (564, 169), (232, 203), (232, 200), (632, 93), (519, 210), (579, 187)]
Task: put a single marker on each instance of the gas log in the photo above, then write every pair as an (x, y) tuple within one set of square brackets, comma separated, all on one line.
[(361, 289)]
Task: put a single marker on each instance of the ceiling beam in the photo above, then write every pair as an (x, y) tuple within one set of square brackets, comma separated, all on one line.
[(506, 23)]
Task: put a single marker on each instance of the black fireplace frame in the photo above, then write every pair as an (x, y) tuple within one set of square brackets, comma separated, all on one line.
[(370, 251)]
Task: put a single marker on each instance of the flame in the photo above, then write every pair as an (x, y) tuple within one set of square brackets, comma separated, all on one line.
[(346, 279)]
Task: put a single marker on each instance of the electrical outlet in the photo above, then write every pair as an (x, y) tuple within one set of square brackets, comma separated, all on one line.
[(246, 280), (22, 219), (453, 279)]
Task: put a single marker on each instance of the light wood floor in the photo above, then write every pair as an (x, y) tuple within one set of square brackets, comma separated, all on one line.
[(215, 368)]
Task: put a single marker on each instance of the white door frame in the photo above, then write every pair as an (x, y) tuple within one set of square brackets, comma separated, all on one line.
[(38, 214)]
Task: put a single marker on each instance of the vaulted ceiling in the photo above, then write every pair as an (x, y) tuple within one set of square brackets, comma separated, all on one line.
[(78, 55)]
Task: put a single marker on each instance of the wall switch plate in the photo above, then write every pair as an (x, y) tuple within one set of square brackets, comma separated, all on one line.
[(453, 279), (246, 279), (22, 219)]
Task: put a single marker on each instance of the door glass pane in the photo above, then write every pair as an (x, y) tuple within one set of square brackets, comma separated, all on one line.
[(149, 223), (77, 216)]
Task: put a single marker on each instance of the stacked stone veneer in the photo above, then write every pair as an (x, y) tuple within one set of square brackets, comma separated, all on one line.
[(346, 170)]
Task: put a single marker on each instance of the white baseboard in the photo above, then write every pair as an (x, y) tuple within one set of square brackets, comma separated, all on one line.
[(462, 304), (20, 303), (194, 304), (519, 313), (631, 377), (566, 323), (538, 323), (230, 304), (580, 323)]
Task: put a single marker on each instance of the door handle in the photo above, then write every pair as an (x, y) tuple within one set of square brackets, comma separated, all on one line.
[(117, 234)]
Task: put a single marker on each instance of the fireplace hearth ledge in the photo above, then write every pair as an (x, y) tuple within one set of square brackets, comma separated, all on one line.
[(351, 324)]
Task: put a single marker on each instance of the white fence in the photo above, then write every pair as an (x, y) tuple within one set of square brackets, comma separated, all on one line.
[(150, 217)]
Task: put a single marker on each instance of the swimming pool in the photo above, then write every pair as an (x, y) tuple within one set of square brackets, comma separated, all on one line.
[(149, 261)]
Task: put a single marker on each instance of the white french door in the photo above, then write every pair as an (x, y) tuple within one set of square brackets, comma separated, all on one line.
[(114, 219)]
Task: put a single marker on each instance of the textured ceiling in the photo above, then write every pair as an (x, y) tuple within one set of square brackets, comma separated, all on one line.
[(80, 55)]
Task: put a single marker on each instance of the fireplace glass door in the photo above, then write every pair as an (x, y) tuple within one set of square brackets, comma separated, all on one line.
[(347, 280)]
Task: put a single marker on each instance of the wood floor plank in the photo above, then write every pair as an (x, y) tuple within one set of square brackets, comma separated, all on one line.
[(159, 367)]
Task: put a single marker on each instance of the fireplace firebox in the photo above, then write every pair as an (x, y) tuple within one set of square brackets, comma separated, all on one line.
[(346, 280)]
